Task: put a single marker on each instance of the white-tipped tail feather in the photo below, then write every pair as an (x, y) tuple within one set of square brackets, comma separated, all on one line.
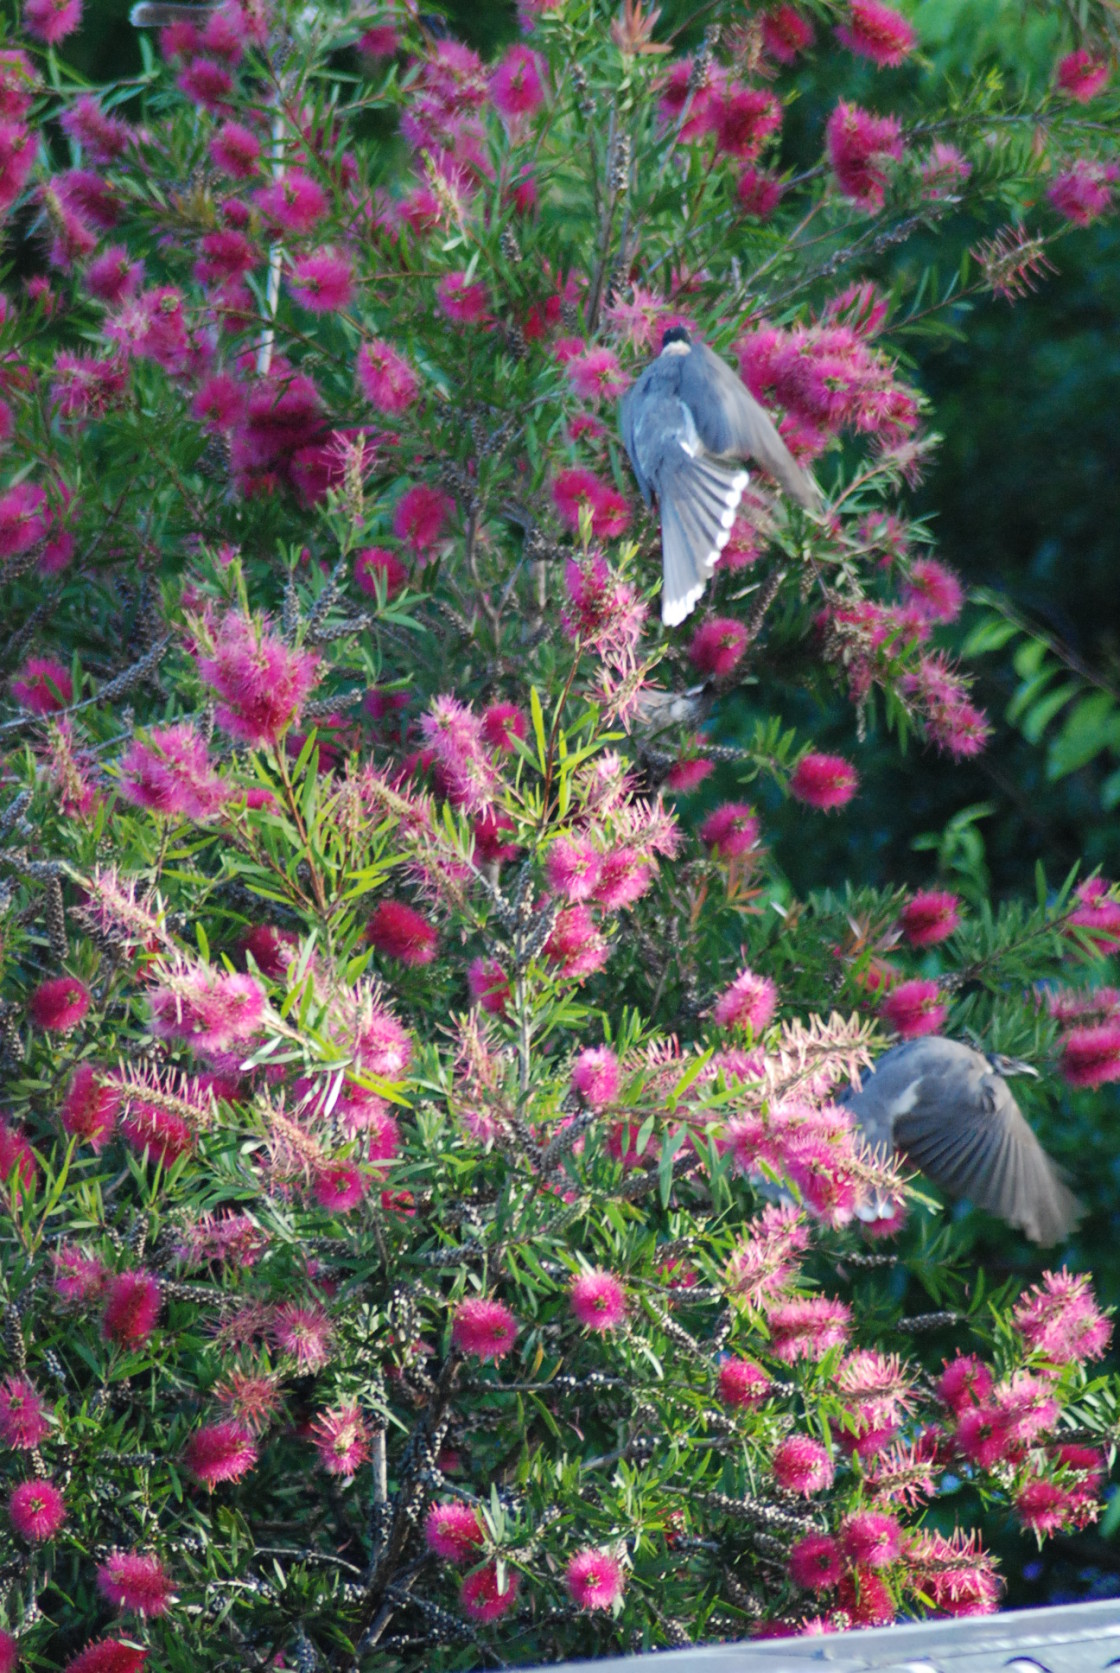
[(698, 506)]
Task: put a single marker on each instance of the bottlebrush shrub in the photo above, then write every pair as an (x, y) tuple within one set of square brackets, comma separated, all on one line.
[(391, 1267)]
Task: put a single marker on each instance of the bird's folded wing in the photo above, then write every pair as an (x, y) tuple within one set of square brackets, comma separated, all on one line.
[(991, 1156), (730, 421), (627, 418)]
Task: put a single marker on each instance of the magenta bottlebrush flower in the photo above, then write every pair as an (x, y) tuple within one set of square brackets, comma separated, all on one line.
[(77, 1278), (1096, 912), (163, 1134), (36, 1510), (479, 1595), (42, 685), (206, 82), (488, 985), (219, 403), (132, 1306), (517, 83), (89, 1109), (824, 781), (466, 768), (1083, 192), (220, 1452), (103, 138), (135, 1580), (377, 564), (421, 517), (1091, 1056), (786, 33), (598, 1300), (9, 1653), (490, 828), (955, 1573), (875, 31), (1082, 76), (52, 20), (212, 1009), (596, 375), (858, 146), (400, 932), (385, 377), (25, 518), (687, 775), (262, 682), (108, 1655), (749, 1002), (341, 1438), (17, 1163), (461, 300), (944, 171), (914, 1008), (816, 1563), (965, 1382), (807, 1328), (59, 1005), (871, 1539), (595, 1579), (985, 1435), (304, 1332), (322, 282), (23, 1416), (742, 1383), (295, 203), (339, 1187), (236, 150), (610, 514), (731, 830), (624, 876), (595, 1077), (169, 772), (575, 947), (483, 1328), (802, 1465), (452, 1530), (1044, 1507), (502, 723), (759, 194), (1060, 1318), (931, 916), (602, 610), (717, 646), (933, 590)]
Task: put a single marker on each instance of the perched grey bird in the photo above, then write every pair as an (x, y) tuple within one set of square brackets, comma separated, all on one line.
[(685, 424), (949, 1111)]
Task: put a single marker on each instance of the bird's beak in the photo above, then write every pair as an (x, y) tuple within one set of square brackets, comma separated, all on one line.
[(1016, 1066)]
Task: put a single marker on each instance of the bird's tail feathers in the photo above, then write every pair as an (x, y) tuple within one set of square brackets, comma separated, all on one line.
[(698, 506)]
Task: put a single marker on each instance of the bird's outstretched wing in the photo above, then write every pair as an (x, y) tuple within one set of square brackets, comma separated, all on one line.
[(730, 422)]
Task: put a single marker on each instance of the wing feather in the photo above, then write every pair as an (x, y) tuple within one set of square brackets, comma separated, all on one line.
[(731, 422)]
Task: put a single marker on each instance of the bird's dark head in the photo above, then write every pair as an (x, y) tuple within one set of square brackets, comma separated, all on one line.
[(675, 334), (1008, 1066)]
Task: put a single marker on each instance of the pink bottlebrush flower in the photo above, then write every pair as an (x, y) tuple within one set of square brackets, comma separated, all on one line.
[(135, 1580), (717, 646), (743, 118), (575, 488), (339, 1187), (517, 83), (483, 1328), (102, 137), (213, 1009), (914, 1008), (306, 1333), (219, 1452), (575, 947), (386, 378), (807, 1328), (52, 20), (931, 916), (1082, 76), (1060, 1318), (1083, 192), (272, 950), (598, 1300), (400, 932), (107, 1655), (161, 1133), (871, 1539), (816, 1563), (236, 150), (858, 146), (802, 1465), (341, 1438), (489, 986), (262, 682), (863, 1599), (219, 403), (1096, 912), (464, 764), (36, 1510), (786, 33), (42, 685), (687, 775), (624, 877), (90, 1108), (1091, 1056), (501, 724), (944, 171), (1028, 1405), (169, 772), (750, 1002), (490, 827), (452, 1530), (421, 517), (731, 830), (461, 300), (933, 590), (132, 1305), (479, 1595), (595, 1077), (207, 83), (742, 1383), (759, 194), (603, 611), (59, 1005), (254, 1397), (955, 1573), (382, 41), (23, 1416), (377, 564), (824, 781), (984, 1434), (322, 282), (819, 1170), (875, 31), (595, 1579), (17, 1162), (9, 1653), (77, 1277), (1045, 1507), (296, 203), (596, 375)]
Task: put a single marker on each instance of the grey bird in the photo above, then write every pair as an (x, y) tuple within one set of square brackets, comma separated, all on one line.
[(686, 424), (949, 1111)]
